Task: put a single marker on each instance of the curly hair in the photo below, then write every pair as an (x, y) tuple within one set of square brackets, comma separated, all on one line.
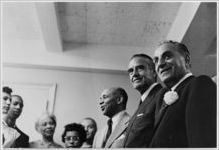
[(75, 127)]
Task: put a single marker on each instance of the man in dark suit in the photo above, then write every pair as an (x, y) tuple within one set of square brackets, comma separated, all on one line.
[(186, 110), (14, 112), (143, 78), (113, 104)]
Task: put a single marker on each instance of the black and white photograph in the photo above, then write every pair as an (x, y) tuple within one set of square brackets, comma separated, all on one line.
[(109, 74)]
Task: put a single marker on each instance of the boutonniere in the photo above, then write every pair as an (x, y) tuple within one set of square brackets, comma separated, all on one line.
[(170, 97)]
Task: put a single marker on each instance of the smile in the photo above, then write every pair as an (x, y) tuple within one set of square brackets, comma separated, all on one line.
[(136, 79), (102, 108), (49, 131), (165, 70)]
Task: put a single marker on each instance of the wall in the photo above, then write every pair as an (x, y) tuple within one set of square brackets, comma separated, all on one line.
[(201, 40), (77, 93)]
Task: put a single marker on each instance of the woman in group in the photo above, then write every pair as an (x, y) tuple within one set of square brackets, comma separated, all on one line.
[(9, 135), (45, 125), (74, 135)]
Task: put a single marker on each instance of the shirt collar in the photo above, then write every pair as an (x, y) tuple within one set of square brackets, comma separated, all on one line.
[(143, 97), (181, 80)]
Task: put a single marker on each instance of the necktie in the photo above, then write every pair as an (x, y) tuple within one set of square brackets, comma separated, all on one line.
[(109, 123)]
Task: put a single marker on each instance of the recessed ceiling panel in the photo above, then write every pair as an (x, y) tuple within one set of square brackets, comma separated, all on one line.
[(119, 23)]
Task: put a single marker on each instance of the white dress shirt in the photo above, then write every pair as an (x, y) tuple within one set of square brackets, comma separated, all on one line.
[(144, 96)]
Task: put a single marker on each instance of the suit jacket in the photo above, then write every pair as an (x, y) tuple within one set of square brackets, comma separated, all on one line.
[(116, 138), (22, 141), (140, 128), (191, 120)]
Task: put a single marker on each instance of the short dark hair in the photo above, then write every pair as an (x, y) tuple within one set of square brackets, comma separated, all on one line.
[(75, 127), (180, 47), (7, 90), (122, 93), (151, 62)]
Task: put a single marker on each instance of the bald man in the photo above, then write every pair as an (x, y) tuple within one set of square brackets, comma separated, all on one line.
[(113, 105)]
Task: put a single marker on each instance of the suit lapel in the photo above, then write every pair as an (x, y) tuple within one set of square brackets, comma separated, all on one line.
[(160, 110), (141, 107), (163, 109), (150, 96), (119, 129)]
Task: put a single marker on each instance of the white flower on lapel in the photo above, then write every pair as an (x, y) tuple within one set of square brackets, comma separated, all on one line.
[(170, 97)]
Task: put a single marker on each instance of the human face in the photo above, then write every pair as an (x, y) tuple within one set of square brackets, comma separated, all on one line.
[(140, 74), (6, 101), (72, 139), (170, 64), (47, 126), (16, 107), (108, 103), (90, 128)]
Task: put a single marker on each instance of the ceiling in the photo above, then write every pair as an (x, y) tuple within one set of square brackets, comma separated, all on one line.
[(125, 24), (96, 35)]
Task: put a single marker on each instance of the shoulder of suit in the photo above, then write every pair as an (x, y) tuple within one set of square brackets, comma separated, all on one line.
[(203, 77), (202, 80)]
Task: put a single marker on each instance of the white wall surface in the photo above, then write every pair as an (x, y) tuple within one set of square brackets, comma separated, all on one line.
[(77, 93)]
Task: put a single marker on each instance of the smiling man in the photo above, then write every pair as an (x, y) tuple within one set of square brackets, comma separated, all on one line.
[(186, 113), (113, 105), (143, 78)]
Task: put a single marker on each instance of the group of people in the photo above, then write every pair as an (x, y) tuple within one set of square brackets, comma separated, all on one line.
[(75, 135), (178, 111)]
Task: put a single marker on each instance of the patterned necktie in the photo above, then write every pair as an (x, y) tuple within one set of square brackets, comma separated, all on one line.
[(109, 131)]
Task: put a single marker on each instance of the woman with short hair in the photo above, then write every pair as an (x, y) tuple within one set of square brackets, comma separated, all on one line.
[(74, 135), (45, 125)]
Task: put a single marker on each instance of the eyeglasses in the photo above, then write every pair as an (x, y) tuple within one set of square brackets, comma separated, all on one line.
[(74, 138)]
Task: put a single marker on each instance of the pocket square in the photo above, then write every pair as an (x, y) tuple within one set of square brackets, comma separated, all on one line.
[(138, 115)]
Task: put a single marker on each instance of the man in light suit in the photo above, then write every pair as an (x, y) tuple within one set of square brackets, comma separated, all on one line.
[(113, 104), (186, 110), (143, 78)]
